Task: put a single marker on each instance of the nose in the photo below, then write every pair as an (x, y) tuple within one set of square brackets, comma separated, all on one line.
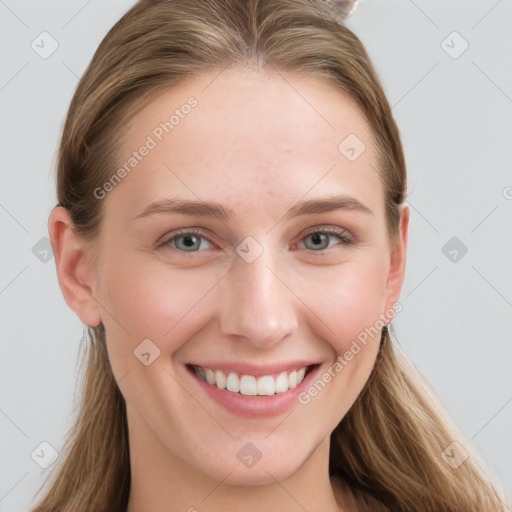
[(257, 303)]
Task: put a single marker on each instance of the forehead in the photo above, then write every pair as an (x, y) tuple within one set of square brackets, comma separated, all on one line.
[(240, 136)]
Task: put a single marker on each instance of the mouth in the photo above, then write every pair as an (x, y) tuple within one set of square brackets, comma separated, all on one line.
[(251, 391), (247, 384)]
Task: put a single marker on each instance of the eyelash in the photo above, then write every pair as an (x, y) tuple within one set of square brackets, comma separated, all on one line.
[(341, 234)]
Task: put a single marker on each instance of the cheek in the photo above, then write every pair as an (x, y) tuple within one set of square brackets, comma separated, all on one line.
[(348, 312), (349, 301), (152, 302), (149, 299)]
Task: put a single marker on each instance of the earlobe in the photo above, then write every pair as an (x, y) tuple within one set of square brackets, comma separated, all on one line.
[(73, 263), (396, 274)]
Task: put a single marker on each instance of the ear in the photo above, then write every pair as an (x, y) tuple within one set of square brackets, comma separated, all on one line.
[(74, 269), (396, 274)]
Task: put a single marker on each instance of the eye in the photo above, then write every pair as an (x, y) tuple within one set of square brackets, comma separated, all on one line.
[(186, 241), (320, 238), (192, 240)]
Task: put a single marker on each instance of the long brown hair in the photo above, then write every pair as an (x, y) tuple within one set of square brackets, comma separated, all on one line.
[(388, 448)]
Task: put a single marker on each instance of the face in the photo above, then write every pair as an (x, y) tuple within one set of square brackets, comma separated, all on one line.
[(246, 248)]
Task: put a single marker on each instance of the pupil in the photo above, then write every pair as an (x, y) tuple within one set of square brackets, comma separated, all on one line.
[(317, 238)]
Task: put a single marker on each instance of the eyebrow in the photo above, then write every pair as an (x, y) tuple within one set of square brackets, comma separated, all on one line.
[(212, 209)]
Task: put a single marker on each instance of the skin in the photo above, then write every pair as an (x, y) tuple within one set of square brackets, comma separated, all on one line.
[(256, 143)]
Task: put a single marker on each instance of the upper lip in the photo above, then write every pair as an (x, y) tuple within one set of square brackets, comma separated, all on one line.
[(256, 370)]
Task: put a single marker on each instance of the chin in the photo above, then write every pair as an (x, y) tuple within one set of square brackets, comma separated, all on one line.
[(245, 465)]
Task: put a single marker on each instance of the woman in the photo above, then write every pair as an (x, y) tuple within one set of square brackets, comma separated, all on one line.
[(231, 228)]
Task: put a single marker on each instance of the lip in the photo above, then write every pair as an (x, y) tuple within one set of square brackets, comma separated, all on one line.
[(256, 406), (257, 371)]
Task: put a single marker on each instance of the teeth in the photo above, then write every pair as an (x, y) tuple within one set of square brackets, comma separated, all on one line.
[(292, 379), (266, 386), (282, 383), (233, 384), (248, 384), (220, 379), (210, 376)]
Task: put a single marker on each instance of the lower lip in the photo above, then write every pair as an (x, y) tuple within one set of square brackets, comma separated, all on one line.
[(256, 406)]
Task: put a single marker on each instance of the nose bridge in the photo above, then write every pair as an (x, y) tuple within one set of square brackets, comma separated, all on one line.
[(256, 304)]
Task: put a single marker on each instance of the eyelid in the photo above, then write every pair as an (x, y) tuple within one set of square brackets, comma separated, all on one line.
[(329, 230)]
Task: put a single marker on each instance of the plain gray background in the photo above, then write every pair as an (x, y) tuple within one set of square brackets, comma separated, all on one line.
[(453, 106)]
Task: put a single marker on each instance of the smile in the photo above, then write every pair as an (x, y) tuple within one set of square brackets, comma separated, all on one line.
[(252, 391), (249, 385)]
